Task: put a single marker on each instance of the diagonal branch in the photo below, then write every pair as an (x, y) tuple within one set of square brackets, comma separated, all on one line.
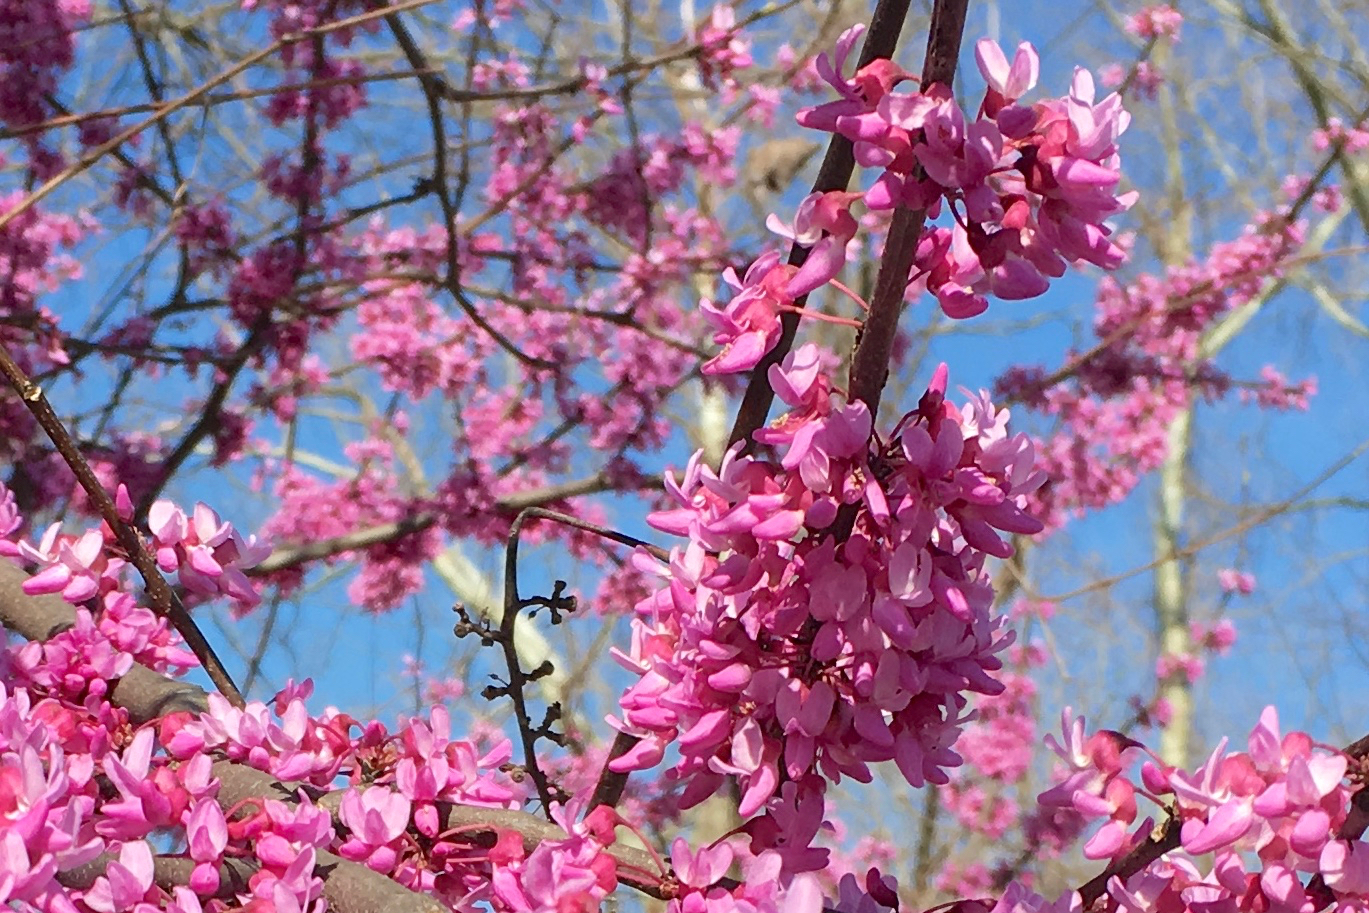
[(164, 600), (834, 174)]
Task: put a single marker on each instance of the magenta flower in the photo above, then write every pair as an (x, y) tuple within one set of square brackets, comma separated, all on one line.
[(207, 553), (859, 95), (1154, 22), (1344, 864), (376, 817), (206, 833), (1227, 814), (823, 224), (1234, 581), (702, 869), (801, 380), (838, 437), (749, 325), (75, 568), (127, 880), (142, 805), (1009, 82)]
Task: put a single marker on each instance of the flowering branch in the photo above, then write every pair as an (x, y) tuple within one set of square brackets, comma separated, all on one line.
[(164, 600), (149, 696), (834, 174), (1164, 839), (875, 341)]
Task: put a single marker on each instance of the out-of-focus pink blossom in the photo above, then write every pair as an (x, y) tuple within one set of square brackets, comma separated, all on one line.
[(1155, 22)]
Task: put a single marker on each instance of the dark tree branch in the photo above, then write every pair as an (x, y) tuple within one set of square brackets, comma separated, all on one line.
[(834, 174)]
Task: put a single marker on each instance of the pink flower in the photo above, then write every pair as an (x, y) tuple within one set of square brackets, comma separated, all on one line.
[(376, 817), (702, 869), (823, 224), (142, 805), (206, 552), (749, 325), (1160, 21), (1220, 789), (126, 881), (76, 567), (1234, 581), (206, 833), (840, 436), (1009, 82), (1345, 866)]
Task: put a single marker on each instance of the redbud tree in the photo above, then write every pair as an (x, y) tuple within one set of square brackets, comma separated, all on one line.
[(329, 327)]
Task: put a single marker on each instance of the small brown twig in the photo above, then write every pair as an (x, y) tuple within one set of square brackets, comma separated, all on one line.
[(518, 679), (164, 600)]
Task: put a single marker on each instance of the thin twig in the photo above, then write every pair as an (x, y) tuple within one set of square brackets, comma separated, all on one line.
[(513, 605)]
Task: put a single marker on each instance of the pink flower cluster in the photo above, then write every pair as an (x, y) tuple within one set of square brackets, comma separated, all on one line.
[(1353, 139), (1269, 816), (785, 656), (560, 876), (1232, 580), (997, 747), (1275, 391), (78, 780), (35, 258), (1156, 22), (722, 49), (1115, 402), (206, 553), (1028, 187), (1028, 190)]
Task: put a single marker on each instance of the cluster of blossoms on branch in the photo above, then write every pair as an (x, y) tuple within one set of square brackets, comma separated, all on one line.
[(831, 609), (790, 652), (79, 780), (1266, 818), (1028, 189), (207, 555), (1114, 403)]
